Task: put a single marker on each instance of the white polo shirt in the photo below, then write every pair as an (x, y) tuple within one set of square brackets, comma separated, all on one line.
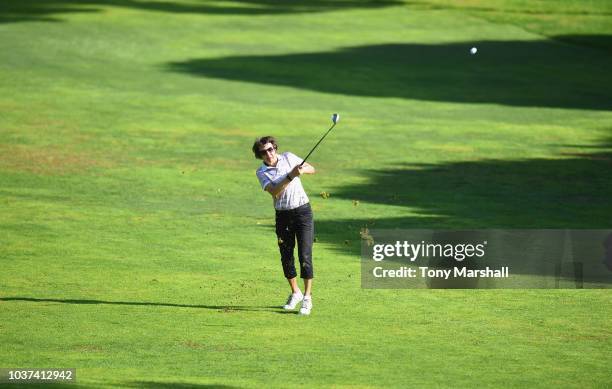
[(294, 195)]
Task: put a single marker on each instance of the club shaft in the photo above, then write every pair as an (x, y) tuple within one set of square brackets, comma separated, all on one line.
[(315, 146)]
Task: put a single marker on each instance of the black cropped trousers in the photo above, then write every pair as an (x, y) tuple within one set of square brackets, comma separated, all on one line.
[(296, 225)]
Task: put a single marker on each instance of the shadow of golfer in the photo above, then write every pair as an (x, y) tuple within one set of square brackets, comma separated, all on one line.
[(221, 308)]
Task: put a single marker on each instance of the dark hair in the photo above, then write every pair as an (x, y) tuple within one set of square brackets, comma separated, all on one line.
[(262, 142)]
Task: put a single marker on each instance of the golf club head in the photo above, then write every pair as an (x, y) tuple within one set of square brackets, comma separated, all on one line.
[(335, 118)]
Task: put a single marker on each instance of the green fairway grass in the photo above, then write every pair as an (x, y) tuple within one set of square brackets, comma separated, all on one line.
[(137, 246)]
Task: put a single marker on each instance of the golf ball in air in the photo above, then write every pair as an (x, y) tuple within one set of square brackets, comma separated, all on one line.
[(473, 50)]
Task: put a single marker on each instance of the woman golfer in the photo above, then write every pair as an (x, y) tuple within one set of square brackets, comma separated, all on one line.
[(279, 175)]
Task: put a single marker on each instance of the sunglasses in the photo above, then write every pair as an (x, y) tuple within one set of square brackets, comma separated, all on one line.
[(268, 150)]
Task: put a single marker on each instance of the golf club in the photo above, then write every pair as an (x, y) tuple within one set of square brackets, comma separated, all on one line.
[(335, 119)]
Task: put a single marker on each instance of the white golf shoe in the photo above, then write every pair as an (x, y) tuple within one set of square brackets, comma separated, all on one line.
[(306, 305), (293, 300)]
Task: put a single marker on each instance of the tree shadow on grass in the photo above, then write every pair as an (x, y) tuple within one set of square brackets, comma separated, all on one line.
[(572, 192), (596, 41), (50, 10), (222, 308), (517, 73), (538, 193)]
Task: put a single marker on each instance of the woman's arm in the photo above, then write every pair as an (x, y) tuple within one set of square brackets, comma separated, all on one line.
[(277, 189)]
